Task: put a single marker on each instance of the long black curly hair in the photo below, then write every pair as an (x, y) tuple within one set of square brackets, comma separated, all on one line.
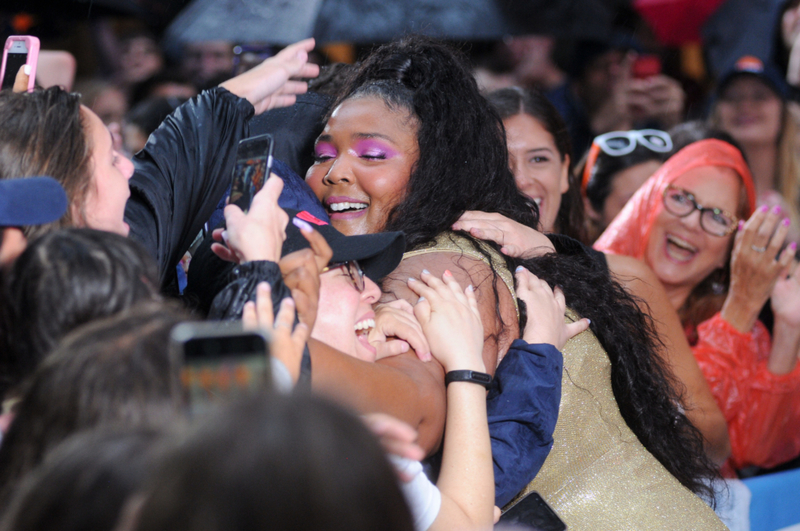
[(463, 165)]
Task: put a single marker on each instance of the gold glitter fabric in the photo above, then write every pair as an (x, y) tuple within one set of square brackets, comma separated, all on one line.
[(450, 242), (598, 476)]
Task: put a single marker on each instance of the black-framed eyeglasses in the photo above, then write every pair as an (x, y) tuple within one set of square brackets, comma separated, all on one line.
[(353, 270), (715, 221)]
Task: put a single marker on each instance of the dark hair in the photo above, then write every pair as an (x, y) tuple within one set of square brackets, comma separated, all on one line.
[(43, 133), (116, 371), (83, 483), (607, 167), (463, 165), (647, 392), (462, 146), (63, 280), (280, 463), (512, 101)]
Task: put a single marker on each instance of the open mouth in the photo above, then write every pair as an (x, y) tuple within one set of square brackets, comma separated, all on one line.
[(364, 327), (347, 206), (679, 249)]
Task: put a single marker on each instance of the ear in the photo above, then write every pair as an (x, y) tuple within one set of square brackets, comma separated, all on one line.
[(565, 174), (12, 244), (591, 213)]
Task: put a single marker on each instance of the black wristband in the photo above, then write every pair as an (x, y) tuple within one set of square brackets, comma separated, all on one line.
[(480, 378)]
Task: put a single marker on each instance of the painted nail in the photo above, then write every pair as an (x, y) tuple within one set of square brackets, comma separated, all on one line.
[(27, 70), (447, 273), (793, 246), (421, 298), (225, 236), (590, 321), (741, 224), (302, 225), (412, 279), (426, 271), (763, 208), (470, 288), (519, 268), (787, 222), (776, 209)]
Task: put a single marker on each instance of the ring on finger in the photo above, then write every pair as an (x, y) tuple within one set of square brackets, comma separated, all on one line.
[(758, 249)]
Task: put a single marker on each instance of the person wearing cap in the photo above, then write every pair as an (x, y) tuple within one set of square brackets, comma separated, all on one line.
[(751, 105), (26, 202)]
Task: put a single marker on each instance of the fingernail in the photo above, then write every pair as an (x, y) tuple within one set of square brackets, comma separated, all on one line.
[(404, 347), (264, 286), (421, 299), (793, 246), (764, 208), (426, 271), (519, 268), (741, 224), (225, 236), (589, 320), (412, 279), (470, 288), (776, 209), (302, 225), (787, 222), (27, 70), (447, 273)]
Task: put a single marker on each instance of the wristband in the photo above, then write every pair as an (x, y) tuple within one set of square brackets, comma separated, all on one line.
[(480, 378)]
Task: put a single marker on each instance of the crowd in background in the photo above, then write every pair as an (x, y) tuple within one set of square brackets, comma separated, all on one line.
[(548, 265)]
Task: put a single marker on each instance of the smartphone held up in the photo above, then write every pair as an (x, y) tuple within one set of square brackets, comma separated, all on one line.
[(19, 50), (253, 165)]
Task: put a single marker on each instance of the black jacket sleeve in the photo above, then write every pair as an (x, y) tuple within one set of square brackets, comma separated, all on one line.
[(182, 172)]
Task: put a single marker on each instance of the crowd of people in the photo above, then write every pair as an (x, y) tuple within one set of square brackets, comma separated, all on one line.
[(480, 289)]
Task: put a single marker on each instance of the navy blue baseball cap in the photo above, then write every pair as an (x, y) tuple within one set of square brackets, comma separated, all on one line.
[(750, 65), (31, 201)]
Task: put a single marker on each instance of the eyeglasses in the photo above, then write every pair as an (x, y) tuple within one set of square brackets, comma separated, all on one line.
[(620, 143), (353, 270), (714, 221)]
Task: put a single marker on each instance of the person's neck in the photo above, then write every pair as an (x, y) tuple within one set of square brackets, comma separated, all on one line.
[(677, 295), (762, 159)]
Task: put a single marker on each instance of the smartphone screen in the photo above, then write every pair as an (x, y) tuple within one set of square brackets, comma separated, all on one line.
[(534, 513), (16, 57), (253, 164), (221, 361)]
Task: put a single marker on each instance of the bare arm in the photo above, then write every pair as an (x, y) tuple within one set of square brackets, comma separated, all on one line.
[(701, 408)]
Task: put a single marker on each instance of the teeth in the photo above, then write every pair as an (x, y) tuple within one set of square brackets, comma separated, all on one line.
[(366, 324), (338, 207), (680, 243)]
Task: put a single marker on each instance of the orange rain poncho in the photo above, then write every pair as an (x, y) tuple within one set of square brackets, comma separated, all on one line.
[(762, 409)]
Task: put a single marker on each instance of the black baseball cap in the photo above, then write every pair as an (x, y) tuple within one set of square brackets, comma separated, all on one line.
[(749, 65), (31, 201), (378, 254)]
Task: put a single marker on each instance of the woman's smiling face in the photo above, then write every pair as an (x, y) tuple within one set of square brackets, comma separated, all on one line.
[(364, 159)]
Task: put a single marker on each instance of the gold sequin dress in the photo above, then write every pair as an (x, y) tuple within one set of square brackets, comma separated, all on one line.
[(598, 476)]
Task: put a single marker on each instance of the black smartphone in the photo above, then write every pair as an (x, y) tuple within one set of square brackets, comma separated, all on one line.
[(532, 511), (221, 361), (253, 164)]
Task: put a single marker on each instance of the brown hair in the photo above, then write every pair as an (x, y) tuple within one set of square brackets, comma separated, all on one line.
[(43, 133)]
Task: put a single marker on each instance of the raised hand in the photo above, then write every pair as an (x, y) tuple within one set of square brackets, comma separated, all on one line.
[(515, 239), (301, 271), (269, 84), (756, 265), (396, 329), (545, 309), (257, 235), (287, 344), (451, 321)]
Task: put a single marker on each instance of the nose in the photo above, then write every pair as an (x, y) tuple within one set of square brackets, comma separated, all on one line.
[(692, 221), (126, 166), (371, 292), (338, 173)]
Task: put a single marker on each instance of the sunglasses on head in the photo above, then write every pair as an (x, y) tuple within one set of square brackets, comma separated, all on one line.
[(621, 143)]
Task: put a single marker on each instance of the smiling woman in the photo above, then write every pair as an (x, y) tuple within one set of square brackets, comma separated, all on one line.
[(682, 224)]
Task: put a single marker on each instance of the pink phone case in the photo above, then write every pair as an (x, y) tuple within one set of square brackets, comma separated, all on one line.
[(32, 44)]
